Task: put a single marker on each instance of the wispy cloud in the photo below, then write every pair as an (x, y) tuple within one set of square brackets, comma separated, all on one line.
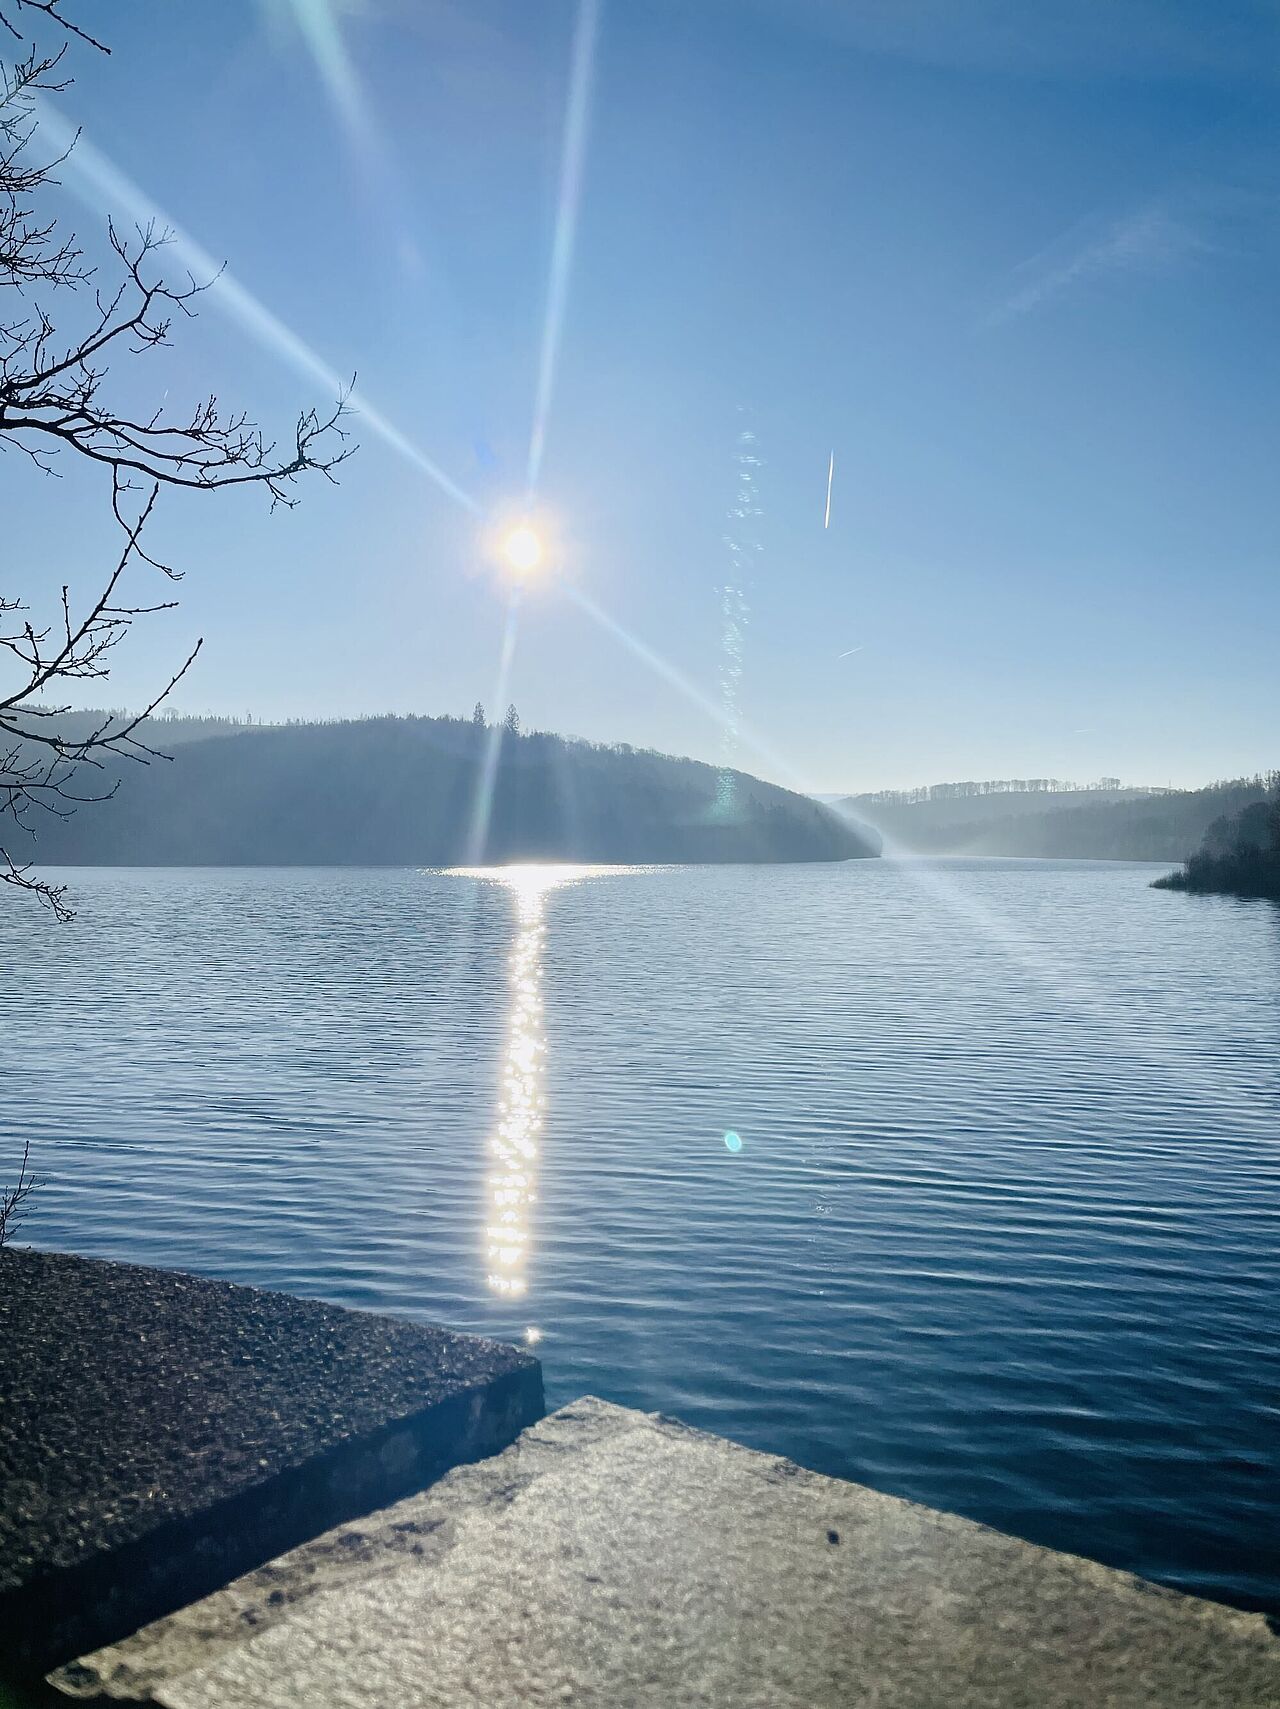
[(1149, 240)]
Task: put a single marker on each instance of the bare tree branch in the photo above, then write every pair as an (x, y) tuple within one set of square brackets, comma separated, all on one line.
[(51, 9), (13, 1201), (43, 768), (52, 398), (57, 397)]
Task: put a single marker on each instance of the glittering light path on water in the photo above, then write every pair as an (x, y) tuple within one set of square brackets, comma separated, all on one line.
[(520, 1102), (512, 1184)]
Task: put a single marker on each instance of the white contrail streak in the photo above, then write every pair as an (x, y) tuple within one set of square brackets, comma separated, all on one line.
[(831, 469), (572, 153), (103, 187), (849, 654)]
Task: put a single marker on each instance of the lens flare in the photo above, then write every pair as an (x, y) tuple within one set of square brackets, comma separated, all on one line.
[(743, 541), (775, 763)]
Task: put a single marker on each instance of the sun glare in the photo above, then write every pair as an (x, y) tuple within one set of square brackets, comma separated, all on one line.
[(522, 550)]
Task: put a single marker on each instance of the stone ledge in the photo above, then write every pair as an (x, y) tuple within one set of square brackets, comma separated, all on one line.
[(611, 1557), (161, 1434)]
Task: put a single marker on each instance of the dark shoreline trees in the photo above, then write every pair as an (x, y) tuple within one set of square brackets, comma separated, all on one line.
[(63, 337), (1240, 854)]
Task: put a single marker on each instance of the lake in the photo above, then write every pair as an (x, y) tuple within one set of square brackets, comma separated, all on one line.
[(961, 1179)]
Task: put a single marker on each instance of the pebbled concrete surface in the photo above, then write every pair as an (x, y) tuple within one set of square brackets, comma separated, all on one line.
[(610, 1557), (160, 1434)]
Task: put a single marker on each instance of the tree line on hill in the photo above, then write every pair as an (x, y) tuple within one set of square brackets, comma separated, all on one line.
[(431, 792), (1134, 824), (988, 786)]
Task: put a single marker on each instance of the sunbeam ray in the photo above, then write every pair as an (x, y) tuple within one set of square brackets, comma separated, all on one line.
[(482, 807), (320, 27), (100, 184), (1073, 991), (639, 649), (1020, 950), (320, 30), (573, 150)]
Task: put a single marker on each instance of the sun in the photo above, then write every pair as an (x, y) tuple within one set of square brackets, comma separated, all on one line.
[(522, 550)]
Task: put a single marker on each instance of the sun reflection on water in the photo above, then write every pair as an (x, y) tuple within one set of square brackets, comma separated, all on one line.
[(512, 1185), (520, 1101)]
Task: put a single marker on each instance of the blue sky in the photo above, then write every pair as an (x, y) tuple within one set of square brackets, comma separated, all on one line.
[(1016, 265)]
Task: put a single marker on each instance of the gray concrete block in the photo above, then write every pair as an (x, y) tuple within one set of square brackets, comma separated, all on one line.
[(161, 1434), (609, 1557)]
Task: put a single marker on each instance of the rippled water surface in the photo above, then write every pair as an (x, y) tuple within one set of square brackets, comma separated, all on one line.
[(1001, 1234)]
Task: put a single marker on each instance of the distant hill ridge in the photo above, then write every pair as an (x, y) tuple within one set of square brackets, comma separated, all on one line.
[(393, 791), (1098, 822), (1003, 786)]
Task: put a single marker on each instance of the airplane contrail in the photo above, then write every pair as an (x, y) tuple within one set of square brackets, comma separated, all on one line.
[(831, 469), (849, 654)]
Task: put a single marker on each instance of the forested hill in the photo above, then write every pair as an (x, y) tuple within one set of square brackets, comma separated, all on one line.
[(1103, 823), (391, 791)]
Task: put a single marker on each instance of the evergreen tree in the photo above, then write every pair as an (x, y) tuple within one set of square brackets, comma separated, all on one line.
[(477, 715), (511, 723)]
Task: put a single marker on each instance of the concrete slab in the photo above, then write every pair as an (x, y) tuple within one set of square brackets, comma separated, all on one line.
[(160, 1434), (610, 1557)]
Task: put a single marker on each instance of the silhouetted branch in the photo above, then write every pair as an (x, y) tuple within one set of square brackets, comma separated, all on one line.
[(57, 397), (13, 1201), (51, 9), (52, 398), (40, 763)]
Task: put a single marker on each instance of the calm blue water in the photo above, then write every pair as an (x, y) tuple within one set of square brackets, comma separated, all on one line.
[(1001, 1234)]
